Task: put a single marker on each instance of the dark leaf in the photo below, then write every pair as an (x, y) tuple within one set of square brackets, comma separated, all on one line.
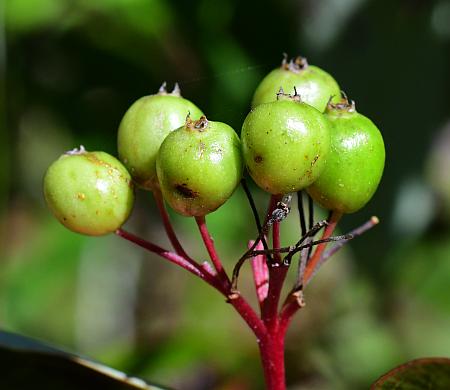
[(29, 364), (419, 374)]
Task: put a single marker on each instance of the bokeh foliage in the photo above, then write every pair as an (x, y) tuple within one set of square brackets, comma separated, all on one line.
[(69, 70)]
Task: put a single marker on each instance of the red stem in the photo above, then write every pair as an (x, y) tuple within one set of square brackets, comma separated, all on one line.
[(250, 317), (272, 358), (190, 266), (271, 346), (277, 274), (287, 314), (239, 303), (167, 224), (209, 244), (270, 331), (276, 241), (241, 306)]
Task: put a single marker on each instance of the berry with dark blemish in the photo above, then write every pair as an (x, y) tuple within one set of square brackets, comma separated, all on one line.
[(205, 154)]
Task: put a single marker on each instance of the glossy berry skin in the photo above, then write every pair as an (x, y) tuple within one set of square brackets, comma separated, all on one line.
[(89, 192), (355, 163), (314, 85), (285, 145), (199, 166), (143, 128)]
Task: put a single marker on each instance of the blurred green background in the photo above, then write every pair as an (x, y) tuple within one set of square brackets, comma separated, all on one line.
[(70, 69)]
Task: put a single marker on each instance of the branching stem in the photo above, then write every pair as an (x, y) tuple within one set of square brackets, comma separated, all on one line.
[(191, 266), (293, 249), (240, 304), (269, 271)]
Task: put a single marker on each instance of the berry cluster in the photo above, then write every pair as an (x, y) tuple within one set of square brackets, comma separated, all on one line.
[(302, 135), (165, 142)]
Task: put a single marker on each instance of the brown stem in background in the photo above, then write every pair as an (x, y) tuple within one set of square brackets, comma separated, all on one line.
[(354, 233), (327, 233)]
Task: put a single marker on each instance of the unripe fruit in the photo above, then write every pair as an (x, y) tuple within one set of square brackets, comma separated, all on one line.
[(314, 85), (143, 128), (89, 192), (355, 163), (199, 166), (285, 144)]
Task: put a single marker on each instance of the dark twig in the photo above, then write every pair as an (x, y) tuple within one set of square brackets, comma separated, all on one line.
[(293, 249), (272, 216), (311, 221), (301, 213), (251, 251), (304, 256), (251, 201), (310, 212), (240, 262), (313, 230), (305, 253)]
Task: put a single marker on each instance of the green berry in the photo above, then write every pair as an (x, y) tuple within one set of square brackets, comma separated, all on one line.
[(355, 163), (314, 85), (89, 192), (285, 144), (199, 166), (143, 128)]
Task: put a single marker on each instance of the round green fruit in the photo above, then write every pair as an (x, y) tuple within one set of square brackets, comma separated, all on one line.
[(314, 85), (285, 144), (199, 166), (143, 128), (355, 163), (89, 192)]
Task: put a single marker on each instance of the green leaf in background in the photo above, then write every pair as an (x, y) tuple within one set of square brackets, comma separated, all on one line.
[(427, 373), (27, 363), (22, 15)]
